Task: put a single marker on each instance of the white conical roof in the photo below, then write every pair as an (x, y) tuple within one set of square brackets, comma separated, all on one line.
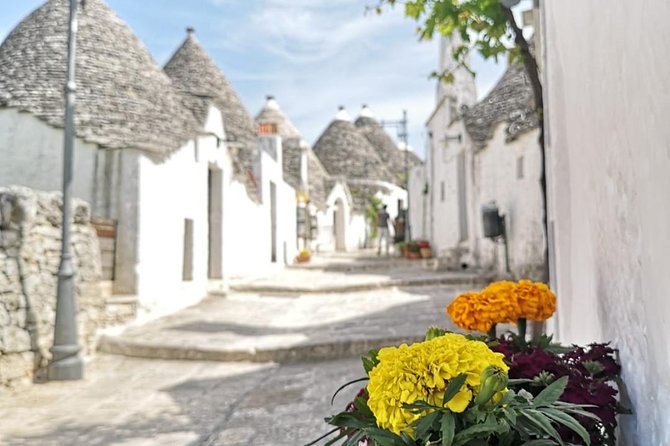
[(343, 115)]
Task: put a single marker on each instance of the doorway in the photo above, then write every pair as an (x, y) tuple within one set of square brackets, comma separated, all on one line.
[(215, 228), (273, 222), (339, 224)]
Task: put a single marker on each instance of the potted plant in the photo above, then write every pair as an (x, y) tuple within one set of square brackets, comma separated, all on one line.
[(424, 249), (303, 256), (467, 390)]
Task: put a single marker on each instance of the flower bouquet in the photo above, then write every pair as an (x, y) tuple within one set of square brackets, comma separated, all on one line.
[(462, 390)]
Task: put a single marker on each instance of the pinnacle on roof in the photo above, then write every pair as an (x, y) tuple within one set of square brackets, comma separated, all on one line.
[(342, 114), (124, 100)]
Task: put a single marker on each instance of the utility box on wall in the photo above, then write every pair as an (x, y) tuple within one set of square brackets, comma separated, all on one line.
[(492, 222)]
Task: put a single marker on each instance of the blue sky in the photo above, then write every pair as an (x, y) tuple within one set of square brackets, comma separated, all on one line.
[(312, 55)]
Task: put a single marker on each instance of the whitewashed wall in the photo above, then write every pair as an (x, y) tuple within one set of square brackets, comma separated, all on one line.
[(31, 154), (508, 173), (609, 150), (443, 190), (325, 241), (419, 203)]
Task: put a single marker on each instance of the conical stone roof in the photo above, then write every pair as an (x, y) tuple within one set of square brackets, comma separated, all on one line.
[(195, 74), (386, 148), (343, 151), (510, 101), (123, 99), (293, 147), (272, 114)]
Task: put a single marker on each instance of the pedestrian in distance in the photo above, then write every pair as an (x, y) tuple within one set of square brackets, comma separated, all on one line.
[(383, 220)]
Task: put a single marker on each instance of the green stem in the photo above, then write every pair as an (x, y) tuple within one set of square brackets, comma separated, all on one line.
[(492, 332), (521, 325)]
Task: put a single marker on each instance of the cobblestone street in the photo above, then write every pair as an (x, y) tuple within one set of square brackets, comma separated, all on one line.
[(257, 366)]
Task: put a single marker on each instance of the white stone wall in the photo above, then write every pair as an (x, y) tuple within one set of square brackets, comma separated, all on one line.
[(31, 155), (171, 191), (508, 173), (419, 203), (30, 246), (443, 187), (609, 154), (325, 241)]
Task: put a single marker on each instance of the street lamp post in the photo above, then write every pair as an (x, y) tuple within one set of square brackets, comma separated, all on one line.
[(401, 127), (67, 363)]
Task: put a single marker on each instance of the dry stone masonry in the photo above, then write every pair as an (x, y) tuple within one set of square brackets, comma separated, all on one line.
[(30, 239)]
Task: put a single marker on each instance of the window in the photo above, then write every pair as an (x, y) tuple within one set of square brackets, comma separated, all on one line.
[(267, 128), (187, 273), (519, 167)]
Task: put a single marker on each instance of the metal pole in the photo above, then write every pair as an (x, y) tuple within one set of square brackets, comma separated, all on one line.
[(67, 363), (405, 138)]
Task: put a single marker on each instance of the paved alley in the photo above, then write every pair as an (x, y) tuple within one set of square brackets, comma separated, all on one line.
[(256, 366)]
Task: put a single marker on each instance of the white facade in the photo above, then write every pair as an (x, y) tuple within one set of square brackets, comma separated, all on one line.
[(508, 173), (166, 236), (609, 158)]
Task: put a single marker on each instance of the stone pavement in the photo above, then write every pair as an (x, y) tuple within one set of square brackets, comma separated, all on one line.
[(138, 402), (301, 314)]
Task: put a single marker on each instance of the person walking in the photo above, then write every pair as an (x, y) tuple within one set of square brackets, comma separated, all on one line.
[(383, 218)]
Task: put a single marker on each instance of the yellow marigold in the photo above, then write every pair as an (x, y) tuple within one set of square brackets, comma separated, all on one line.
[(421, 372), (536, 301)]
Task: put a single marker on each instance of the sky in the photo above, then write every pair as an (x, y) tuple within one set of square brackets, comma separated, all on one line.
[(312, 55)]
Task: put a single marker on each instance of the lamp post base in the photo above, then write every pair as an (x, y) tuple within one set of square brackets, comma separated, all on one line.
[(66, 369)]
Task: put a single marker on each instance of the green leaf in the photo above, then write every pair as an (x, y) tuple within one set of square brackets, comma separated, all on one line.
[(383, 437), (467, 435), (370, 361), (538, 419), (569, 422), (540, 442), (448, 429), (423, 426), (453, 388), (552, 393)]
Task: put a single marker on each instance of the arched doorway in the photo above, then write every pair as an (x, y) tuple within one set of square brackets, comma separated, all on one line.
[(339, 224)]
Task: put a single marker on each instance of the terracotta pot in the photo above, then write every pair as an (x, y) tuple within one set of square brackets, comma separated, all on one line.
[(426, 253)]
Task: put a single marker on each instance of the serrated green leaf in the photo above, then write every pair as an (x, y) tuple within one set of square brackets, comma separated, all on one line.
[(551, 393), (453, 388), (448, 429)]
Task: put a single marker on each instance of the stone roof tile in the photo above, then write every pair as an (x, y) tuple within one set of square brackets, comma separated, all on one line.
[(123, 98), (511, 101)]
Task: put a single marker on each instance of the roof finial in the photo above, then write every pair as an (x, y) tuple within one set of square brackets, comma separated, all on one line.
[(342, 114), (190, 30), (269, 97)]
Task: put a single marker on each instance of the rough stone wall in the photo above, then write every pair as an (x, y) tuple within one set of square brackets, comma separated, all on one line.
[(30, 239)]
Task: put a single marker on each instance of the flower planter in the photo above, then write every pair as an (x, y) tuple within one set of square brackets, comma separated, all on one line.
[(426, 253)]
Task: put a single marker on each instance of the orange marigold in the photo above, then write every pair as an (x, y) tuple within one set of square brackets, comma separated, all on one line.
[(536, 301), (466, 313)]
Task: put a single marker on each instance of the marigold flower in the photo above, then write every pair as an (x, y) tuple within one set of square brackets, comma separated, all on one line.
[(536, 301), (422, 372), (502, 302)]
